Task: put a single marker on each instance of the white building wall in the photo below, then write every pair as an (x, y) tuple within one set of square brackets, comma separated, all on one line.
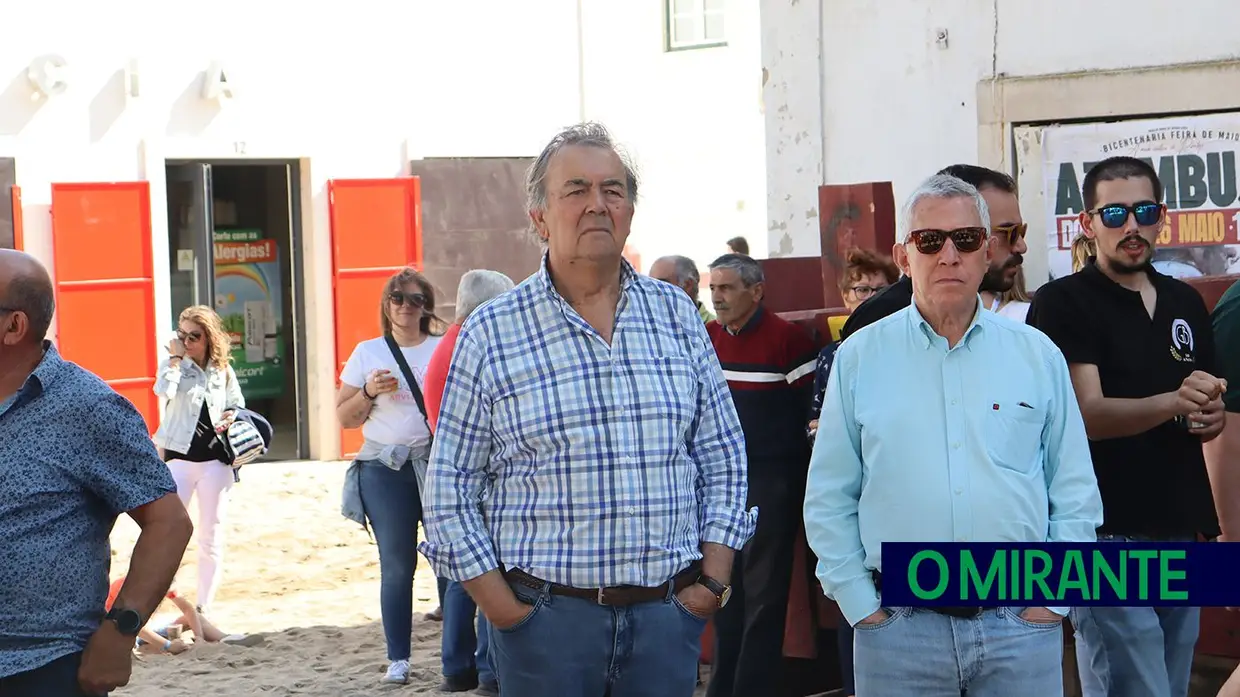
[(897, 106), (357, 90)]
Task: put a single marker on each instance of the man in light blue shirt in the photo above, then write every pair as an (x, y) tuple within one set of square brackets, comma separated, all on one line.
[(959, 425)]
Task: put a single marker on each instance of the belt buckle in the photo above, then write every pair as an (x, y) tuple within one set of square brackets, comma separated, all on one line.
[(601, 600)]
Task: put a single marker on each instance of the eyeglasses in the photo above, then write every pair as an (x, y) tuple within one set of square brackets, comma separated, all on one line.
[(864, 292), (1116, 214), (188, 336), (413, 299), (1013, 233), (966, 239)]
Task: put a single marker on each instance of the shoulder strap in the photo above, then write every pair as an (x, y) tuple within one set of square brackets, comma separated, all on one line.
[(408, 373)]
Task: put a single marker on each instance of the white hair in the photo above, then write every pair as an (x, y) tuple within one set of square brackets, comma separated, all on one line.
[(937, 187), (477, 287)]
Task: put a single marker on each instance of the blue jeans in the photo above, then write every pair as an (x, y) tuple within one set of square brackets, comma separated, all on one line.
[(394, 509), (463, 650), (1135, 651), (570, 647), (58, 678), (919, 653)]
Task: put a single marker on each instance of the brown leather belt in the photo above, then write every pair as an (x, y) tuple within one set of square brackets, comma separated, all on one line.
[(616, 596), (961, 612)]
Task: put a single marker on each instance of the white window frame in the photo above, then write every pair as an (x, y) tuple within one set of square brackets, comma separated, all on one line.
[(698, 14)]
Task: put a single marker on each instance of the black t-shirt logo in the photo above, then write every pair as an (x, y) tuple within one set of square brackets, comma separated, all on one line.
[(1181, 341)]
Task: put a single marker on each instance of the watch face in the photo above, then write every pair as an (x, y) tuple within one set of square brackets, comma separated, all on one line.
[(127, 621), (725, 596)]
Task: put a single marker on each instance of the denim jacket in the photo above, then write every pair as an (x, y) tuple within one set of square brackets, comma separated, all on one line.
[(184, 387)]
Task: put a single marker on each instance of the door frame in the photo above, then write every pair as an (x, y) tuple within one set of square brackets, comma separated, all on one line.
[(297, 284)]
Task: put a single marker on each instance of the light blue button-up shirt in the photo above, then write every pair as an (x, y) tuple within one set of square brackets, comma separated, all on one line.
[(919, 442)]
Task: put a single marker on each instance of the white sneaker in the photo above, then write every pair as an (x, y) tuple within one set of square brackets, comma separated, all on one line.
[(397, 673)]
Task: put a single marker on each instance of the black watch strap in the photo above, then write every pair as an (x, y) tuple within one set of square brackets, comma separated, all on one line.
[(713, 586), (128, 622)]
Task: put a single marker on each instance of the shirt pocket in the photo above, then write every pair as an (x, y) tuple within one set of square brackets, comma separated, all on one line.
[(1013, 435)]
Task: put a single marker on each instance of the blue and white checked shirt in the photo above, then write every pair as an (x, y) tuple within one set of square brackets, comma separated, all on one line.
[(580, 463)]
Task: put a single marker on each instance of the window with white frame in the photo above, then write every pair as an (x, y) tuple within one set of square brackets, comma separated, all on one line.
[(695, 23)]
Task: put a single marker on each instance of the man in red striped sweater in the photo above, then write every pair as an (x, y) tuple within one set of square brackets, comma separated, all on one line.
[(769, 364)]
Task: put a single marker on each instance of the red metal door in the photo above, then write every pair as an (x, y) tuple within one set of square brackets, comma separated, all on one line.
[(376, 231), (105, 286), (19, 240)]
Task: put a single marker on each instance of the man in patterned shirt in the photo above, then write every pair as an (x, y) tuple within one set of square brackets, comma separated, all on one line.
[(587, 484), (76, 455)]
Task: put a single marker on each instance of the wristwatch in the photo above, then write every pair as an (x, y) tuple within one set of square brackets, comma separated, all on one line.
[(128, 622), (722, 592)]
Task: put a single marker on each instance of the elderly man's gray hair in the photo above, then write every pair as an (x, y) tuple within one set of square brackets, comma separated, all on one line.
[(746, 267), (588, 134), (941, 186), (686, 269), (477, 287)]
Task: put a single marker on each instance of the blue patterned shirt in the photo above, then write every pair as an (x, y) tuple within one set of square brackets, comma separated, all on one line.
[(76, 455), (578, 462)]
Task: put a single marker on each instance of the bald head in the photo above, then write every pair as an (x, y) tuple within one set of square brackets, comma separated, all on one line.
[(26, 287), (678, 271)]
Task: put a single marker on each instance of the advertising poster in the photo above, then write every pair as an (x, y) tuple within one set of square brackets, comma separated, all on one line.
[(1195, 157), (248, 297)]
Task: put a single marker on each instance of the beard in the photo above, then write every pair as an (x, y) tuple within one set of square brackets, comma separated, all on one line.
[(997, 279), (1118, 264)]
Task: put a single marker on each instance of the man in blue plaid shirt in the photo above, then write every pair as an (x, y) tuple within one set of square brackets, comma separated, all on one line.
[(587, 484)]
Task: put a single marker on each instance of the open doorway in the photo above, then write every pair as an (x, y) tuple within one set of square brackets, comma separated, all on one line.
[(234, 234)]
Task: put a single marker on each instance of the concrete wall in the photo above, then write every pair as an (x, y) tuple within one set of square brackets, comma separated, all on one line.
[(358, 90), (890, 101)]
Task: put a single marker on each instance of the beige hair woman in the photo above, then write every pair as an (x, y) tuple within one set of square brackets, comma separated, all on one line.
[(201, 391), (383, 484)]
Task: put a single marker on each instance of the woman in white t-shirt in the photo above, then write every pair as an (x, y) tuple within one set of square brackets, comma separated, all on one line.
[(382, 485)]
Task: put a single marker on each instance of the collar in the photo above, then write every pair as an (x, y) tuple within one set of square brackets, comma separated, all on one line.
[(628, 277), (928, 337), (750, 325), (1092, 273), (43, 375)]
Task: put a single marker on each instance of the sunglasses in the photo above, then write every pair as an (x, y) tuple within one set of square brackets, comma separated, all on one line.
[(1115, 215), (966, 239), (1013, 233), (864, 292), (189, 336), (413, 299)]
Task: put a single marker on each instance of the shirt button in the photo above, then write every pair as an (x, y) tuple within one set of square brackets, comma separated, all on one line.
[(959, 492), (632, 510), (956, 446), (953, 401), (962, 538)]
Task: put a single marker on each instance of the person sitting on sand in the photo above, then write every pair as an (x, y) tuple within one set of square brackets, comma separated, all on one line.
[(154, 637)]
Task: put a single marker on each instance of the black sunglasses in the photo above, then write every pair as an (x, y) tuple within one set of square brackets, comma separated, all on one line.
[(966, 239), (1013, 233), (1116, 214), (414, 299), (191, 336)]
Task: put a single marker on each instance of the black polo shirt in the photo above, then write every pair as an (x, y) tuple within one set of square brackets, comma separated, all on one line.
[(888, 301), (1154, 483)]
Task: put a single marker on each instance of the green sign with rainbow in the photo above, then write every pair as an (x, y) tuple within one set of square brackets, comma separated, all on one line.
[(249, 298)]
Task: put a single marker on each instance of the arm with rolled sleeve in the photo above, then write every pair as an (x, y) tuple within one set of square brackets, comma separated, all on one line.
[(1071, 487), (458, 544), (716, 445), (833, 495)]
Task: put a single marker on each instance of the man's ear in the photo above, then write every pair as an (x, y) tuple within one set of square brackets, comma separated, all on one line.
[(900, 256), (539, 220), (15, 327), (1087, 224), (759, 290)]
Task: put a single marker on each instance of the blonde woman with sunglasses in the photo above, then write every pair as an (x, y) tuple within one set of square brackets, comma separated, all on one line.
[(201, 390)]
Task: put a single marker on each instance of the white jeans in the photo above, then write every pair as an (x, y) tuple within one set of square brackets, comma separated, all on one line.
[(212, 482)]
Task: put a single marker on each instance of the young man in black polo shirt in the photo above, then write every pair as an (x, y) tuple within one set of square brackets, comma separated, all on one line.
[(1007, 248), (1141, 353)]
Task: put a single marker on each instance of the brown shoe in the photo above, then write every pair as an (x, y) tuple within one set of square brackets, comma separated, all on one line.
[(435, 615)]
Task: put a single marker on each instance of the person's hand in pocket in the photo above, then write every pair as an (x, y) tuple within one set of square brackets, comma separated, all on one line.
[(877, 617), (1040, 615)]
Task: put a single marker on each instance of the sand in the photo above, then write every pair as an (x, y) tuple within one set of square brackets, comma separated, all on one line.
[(304, 578)]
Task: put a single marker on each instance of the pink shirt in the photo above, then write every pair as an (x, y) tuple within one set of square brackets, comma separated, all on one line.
[(437, 373)]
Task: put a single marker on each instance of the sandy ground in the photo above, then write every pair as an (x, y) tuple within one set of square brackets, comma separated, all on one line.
[(307, 580)]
